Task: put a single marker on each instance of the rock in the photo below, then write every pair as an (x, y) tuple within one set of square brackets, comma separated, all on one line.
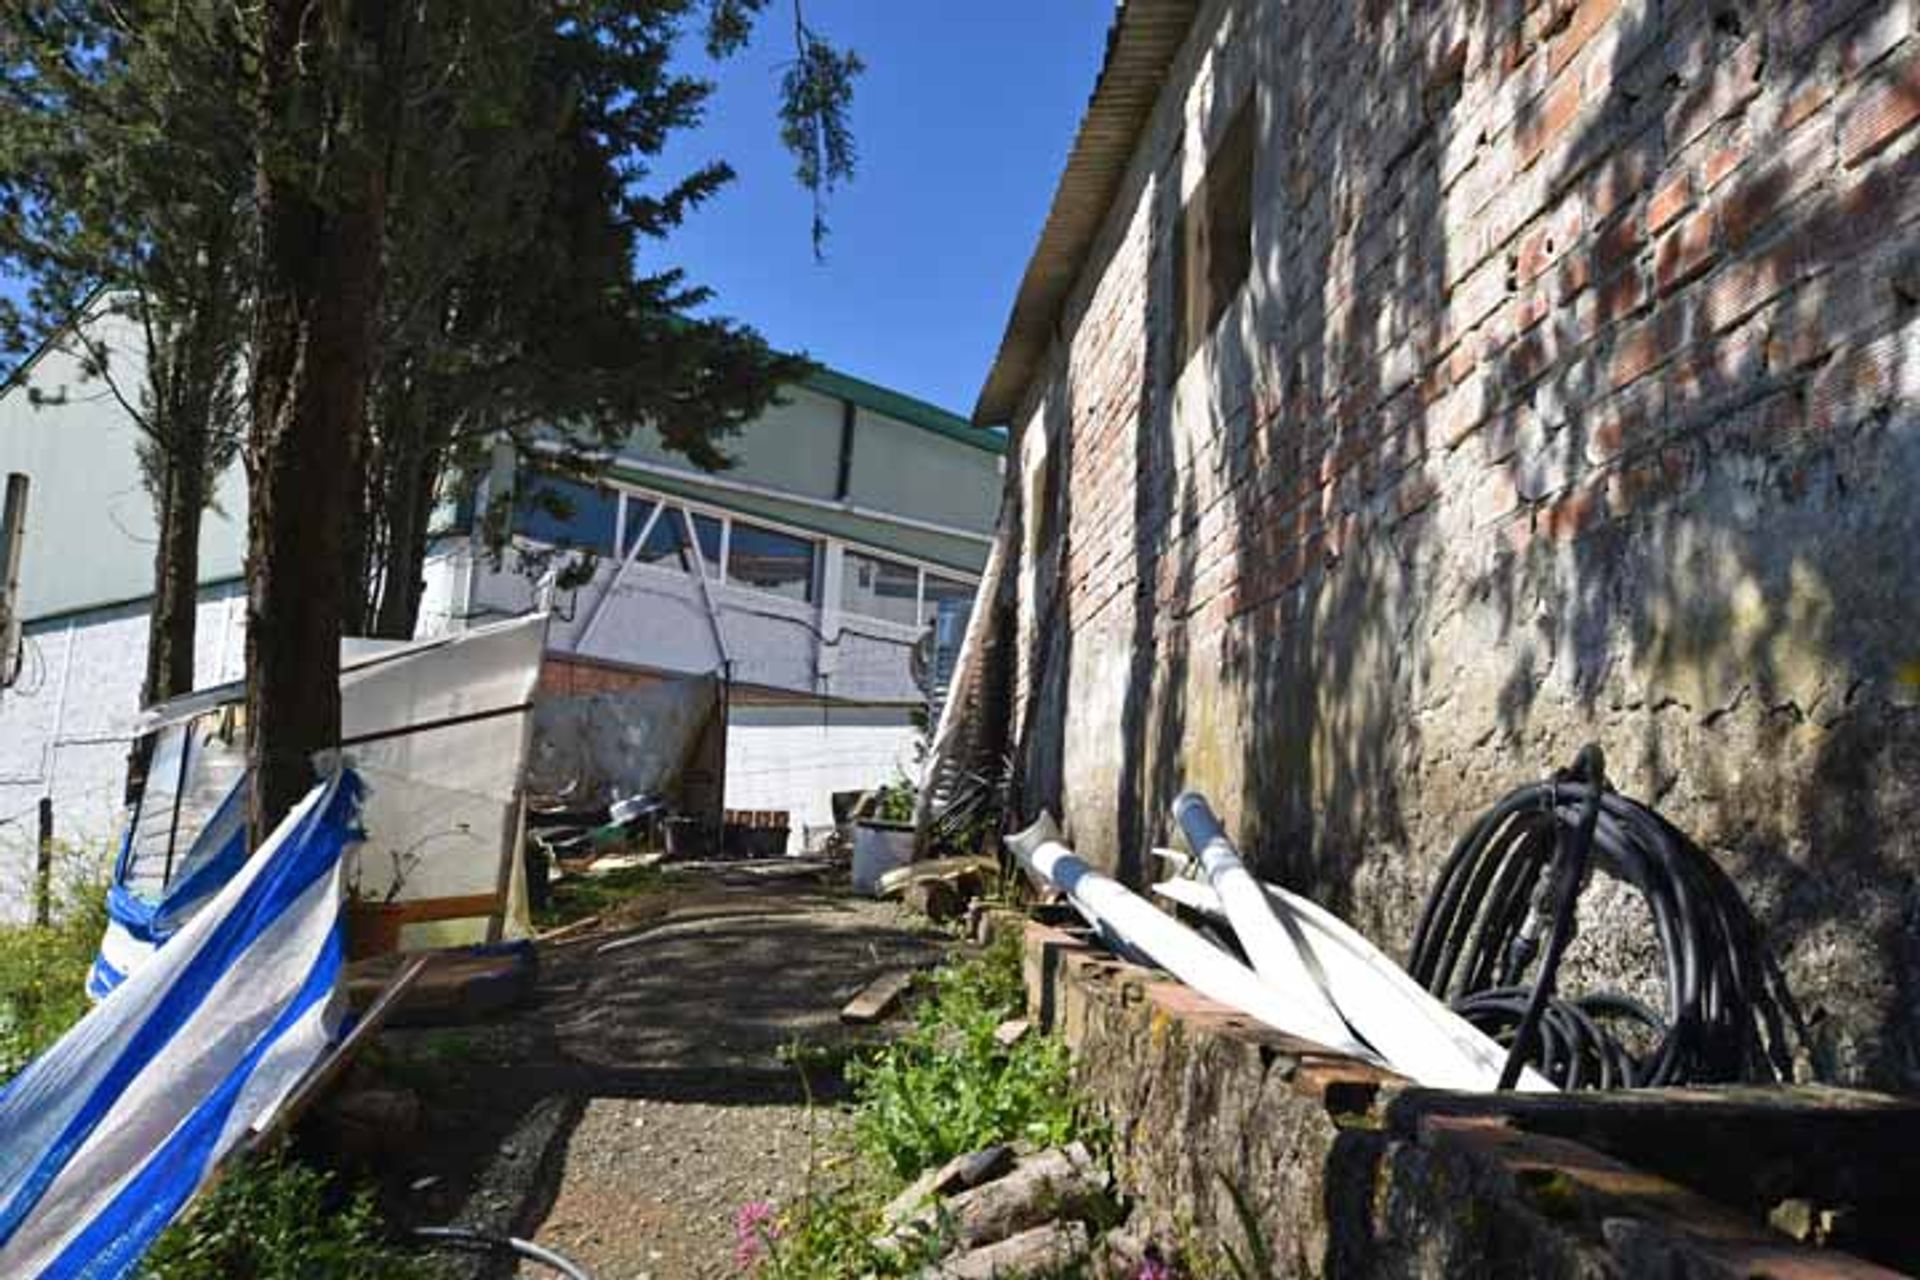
[(1011, 1032), (937, 900), (1047, 1249)]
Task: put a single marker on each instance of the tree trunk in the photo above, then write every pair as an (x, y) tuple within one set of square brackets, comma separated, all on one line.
[(176, 583), (409, 510), (318, 296)]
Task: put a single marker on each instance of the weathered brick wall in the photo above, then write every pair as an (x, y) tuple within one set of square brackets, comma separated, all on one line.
[(1572, 398)]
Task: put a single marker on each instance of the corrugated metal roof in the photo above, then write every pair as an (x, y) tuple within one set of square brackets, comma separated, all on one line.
[(1141, 44)]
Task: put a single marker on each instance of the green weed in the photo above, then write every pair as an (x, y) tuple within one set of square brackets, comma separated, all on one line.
[(276, 1219), (576, 897), (948, 1087), (43, 974)]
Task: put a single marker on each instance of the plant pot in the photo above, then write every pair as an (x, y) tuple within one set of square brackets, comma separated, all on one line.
[(373, 928), (879, 847)]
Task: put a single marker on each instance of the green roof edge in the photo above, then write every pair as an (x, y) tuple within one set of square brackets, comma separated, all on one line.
[(906, 408)]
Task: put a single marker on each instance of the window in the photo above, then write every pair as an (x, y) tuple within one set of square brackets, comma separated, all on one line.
[(767, 560), (1213, 242), (879, 588), (565, 513), (711, 533), (947, 596), (666, 538)]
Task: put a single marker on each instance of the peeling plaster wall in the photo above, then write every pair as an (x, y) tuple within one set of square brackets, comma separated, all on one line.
[(1572, 398)]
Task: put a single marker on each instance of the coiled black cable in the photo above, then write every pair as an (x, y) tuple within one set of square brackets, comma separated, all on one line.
[(1513, 882)]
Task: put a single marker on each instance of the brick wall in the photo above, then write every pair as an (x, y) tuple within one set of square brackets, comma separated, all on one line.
[(1572, 398)]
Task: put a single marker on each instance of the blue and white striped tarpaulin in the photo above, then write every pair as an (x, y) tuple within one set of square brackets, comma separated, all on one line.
[(108, 1134)]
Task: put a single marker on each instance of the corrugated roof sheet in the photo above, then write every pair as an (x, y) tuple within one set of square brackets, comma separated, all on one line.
[(1141, 44)]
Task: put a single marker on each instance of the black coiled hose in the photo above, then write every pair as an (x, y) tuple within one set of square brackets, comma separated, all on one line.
[(1513, 883)]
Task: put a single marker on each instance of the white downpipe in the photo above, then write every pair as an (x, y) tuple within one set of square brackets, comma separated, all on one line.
[(1276, 951), (1113, 908), (1419, 1036)]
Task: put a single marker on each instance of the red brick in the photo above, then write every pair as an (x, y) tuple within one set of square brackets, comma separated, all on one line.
[(1729, 84), (1669, 200), (1619, 297), (1646, 480), (1749, 207), (1548, 119), (1573, 277), (1587, 18), (1743, 287), (1721, 162), (1801, 106), (1885, 109), (1691, 248), (1617, 246), (1641, 348), (1577, 513), (1619, 178)]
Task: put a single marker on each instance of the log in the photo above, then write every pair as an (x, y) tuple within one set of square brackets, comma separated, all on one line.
[(957, 1174), (1049, 1249), (1059, 1181)]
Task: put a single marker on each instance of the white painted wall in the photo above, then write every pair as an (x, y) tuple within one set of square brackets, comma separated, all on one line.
[(66, 724), (794, 757), (90, 530)]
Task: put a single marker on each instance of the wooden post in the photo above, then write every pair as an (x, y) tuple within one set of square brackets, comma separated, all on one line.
[(43, 866)]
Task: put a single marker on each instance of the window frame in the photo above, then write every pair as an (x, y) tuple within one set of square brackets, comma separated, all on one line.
[(1202, 293), (826, 547)]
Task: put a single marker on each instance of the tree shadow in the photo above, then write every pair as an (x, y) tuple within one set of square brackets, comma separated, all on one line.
[(1514, 442)]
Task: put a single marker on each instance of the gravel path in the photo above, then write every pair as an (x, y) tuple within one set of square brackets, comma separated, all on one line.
[(627, 1114), (651, 1188)]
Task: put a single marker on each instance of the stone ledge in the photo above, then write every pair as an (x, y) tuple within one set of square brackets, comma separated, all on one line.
[(1351, 1170)]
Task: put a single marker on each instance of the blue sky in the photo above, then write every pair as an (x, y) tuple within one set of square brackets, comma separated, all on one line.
[(963, 121)]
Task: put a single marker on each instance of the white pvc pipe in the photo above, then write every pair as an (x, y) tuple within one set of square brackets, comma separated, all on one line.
[(1419, 1036), (1277, 954), (1112, 908)]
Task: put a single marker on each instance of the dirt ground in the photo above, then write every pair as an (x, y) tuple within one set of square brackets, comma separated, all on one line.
[(626, 1114)]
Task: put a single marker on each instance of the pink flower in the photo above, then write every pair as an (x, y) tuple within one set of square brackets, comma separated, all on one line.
[(754, 1228), (1154, 1269)]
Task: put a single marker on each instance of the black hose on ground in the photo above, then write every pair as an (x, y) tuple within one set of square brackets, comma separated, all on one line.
[(484, 1242), (1517, 875)]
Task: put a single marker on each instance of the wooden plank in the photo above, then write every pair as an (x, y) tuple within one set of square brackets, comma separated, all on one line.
[(433, 910), (877, 999), (565, 931)]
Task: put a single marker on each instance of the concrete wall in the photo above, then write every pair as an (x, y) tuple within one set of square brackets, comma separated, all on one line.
[(1572, 397), (1226, 1135), (90, 529), (794, 756), (897, 467)]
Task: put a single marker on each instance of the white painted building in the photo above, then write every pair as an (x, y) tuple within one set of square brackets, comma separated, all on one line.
[(854, 520), (803, 575)]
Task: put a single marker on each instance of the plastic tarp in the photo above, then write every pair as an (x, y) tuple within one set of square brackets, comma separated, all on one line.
[(107, 1135), (438, 730), (601, 746), (441, 738)]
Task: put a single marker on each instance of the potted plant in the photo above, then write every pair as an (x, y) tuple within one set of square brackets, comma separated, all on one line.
[(883, 833)]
